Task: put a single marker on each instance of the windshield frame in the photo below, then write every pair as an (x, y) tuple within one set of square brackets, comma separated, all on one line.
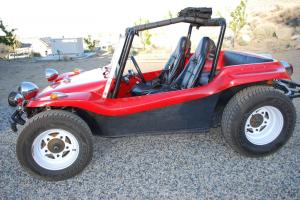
[(114, 65)]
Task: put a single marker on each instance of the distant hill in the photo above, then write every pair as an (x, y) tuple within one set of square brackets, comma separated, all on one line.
[(271, 25)]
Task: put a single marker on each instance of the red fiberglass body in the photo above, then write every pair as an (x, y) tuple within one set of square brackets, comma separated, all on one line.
[(84, 91)]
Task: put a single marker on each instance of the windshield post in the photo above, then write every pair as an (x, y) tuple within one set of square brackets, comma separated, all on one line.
[(123, 58), (114, 67)]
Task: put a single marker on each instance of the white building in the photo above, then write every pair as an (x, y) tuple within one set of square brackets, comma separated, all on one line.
[(67, 46), (39, 45)]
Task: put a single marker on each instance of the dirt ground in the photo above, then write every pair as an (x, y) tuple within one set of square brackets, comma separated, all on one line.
[(189, 166)]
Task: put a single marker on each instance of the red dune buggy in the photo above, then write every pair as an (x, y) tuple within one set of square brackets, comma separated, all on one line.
[(249, 95)]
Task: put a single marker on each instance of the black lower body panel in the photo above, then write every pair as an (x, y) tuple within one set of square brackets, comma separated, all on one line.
[(188, 116)]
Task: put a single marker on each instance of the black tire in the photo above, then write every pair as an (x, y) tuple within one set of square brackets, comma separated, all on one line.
[(241, 106), (49, 120)]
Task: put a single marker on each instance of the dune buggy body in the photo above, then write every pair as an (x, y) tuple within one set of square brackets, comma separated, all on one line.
[(102, 97), (114, 112)]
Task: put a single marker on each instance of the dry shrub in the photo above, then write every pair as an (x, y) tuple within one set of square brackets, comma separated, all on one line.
[(284, 32), (265, 30), (4, 51), (289, 16)]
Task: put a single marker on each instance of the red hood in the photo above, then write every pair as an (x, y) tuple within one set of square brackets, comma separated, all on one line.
[(87, 81)]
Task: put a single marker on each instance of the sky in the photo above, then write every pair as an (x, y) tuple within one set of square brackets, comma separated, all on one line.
[(78, 18)]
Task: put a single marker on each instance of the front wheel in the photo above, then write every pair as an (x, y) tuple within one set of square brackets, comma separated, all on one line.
[(55, 145), (258, 120)]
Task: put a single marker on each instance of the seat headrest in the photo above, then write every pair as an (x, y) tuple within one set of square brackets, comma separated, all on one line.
[(183, 45), (205, 46)]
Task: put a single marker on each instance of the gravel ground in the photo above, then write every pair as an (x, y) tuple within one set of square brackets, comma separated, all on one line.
[(189, 166)]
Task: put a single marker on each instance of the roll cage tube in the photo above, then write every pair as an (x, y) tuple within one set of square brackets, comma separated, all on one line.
[(216, 58), (130, 32), (190, 31)]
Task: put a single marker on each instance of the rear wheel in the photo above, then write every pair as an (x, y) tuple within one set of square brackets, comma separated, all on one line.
[(258, 120), (55, 145)]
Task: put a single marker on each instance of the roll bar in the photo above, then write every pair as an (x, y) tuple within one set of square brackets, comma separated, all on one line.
[(190, 20), (193, 21)]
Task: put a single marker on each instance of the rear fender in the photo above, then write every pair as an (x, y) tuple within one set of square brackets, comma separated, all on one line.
[(248, 74)]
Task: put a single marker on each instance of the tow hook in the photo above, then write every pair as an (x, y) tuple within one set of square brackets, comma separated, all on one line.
[(290, 88), (16, 118)]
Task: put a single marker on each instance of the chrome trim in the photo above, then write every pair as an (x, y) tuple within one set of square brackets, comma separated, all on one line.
[(28, 90), (51, 74)]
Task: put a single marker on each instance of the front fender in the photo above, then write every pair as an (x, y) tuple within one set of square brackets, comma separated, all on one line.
[(74, 99)]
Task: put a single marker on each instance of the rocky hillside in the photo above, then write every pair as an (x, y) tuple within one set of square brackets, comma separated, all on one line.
[(273, 27)]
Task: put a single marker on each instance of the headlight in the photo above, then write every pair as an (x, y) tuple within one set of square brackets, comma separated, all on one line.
[(15, 99), (51, 74), (28, 90)]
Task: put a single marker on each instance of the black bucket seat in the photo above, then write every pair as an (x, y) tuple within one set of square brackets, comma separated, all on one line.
[(172, 69), (190, 75)]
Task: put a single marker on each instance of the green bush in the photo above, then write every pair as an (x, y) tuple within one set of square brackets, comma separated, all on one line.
[(145, 36), (239, 19), (91, 44)]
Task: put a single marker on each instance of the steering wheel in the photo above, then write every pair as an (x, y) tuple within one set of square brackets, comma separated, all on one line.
[(138, 69)]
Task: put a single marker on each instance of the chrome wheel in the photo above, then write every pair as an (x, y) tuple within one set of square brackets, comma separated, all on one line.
[(264, 125), (55, 149)]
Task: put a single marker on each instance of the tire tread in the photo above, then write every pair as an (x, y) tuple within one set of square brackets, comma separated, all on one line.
[(42, 117), (236, 104)]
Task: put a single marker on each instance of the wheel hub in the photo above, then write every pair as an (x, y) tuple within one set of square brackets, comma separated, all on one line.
[(264, 125), (56, 145), (55, 149), (256, 120)]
